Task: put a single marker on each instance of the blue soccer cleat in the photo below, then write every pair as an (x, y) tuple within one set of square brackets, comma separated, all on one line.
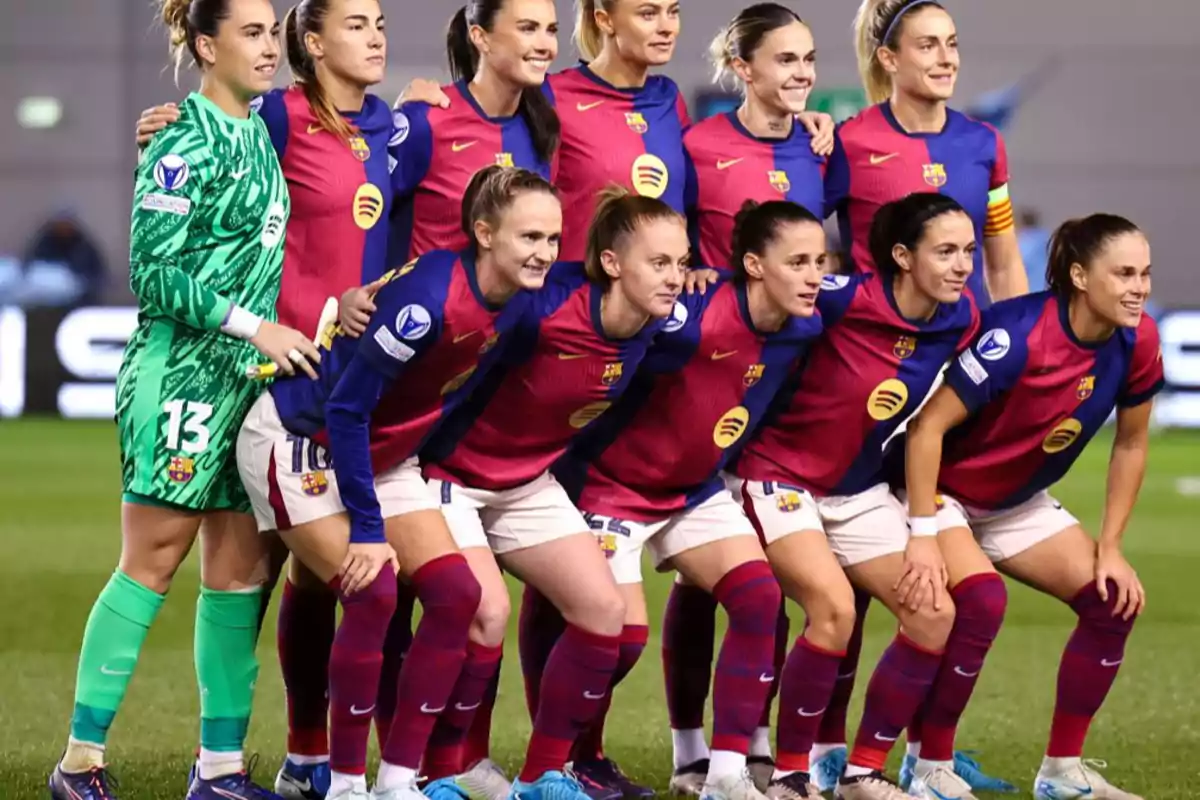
[(553, 785), (966, 768), (303, 781), (229, 787), (95, 784), (827, 770), (445, 789)]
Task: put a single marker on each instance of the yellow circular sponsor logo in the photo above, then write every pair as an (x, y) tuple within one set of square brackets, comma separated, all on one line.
[(368, 206), (649, 176), (585, 415), (887, 400), (730, 427), (1063, 436)]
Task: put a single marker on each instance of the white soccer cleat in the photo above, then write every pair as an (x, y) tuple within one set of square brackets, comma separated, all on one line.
[(352, 793), (688, 780), (408, 791), (939, 783), (875, 786), (484, 781), (1071, 778), (739, 786)]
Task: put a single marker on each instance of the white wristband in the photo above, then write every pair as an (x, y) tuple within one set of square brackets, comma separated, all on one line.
[(923, 526), (241, 323)]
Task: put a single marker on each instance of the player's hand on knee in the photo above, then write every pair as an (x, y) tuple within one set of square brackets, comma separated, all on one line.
[(698, 280), (288, 349), (154, 120), (356, 307), (424, 90), (821, 127), (1111, 565), (924, 574), (362, 565)]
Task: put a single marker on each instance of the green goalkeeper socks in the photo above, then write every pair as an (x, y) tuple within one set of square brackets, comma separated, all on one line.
[(112, 642), (226, 665)]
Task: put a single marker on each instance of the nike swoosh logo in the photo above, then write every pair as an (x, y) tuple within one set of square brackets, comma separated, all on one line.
[(237, 176), (315, 128), (804, 713), (588, 106), (1047, 789), (1104, 662), (458, 147), (718, 355), (303, 787), (765, 678), (593, 696), (883, 738), (571, 356), (105, 670), (876, 159), (959, 671), (464, 336), (850, 674), (730, 163), (358, 712), (425, 709), (461, 707)]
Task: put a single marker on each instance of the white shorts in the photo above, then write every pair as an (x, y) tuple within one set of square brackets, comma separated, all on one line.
[(509, 519), (290, 480), (1004, 534), (717, 518), (859, 527)]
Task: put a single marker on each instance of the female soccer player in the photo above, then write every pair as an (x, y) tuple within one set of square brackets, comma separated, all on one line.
[(331, 138), (499, 52), (757, 152), (572, 357), (721, 360), (812, 479), (1015, 412), (436, 324), (207, 282)]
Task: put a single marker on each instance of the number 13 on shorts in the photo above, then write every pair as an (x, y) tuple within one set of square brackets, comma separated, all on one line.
[(187, 428)]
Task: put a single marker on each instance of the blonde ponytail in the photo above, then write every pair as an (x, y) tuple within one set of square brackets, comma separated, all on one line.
[(308, 16), (720, 53), (619, 213), (589, 39), (877, 25)]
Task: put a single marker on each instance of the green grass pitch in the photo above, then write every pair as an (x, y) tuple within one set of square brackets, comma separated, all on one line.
[(59, 543)]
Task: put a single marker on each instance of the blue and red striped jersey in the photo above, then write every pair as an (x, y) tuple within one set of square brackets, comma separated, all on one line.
[(631, 137), (379, 398), (337, 237), (727, 165), (875, 161), (560, 373), (862, 379), (702, 389), (1037, 395), (434, 154)]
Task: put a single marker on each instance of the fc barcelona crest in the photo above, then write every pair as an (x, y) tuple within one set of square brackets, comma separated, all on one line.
[(612, 374), (358, 146), (753, 374), (314, 484), (779, 180), (504, 160), (636, 122), (904, 347), (181, 469), (935, 175), (787, 502), (1087, 385)]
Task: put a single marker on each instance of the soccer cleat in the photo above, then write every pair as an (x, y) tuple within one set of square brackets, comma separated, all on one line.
[(1071, 778), (738, 786), (827, 770), (303, 781), (553, 785), (796, 786), (593, 787), (873, 786), (351, 793), (444, 789), (605, 772), (237, 786), (939, 783), (762, 769), (970, 771), (688, 780), (483, 781), (95, 784), (408, 791)]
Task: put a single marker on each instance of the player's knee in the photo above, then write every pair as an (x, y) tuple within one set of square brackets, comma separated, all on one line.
[(491, 618), (448, 591), (370, 609), (831, 620), (1097, 614), (930, 627), (601, 612), (751, 597), (981, 601)]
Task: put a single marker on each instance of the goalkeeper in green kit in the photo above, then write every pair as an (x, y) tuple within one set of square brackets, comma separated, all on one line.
[(209, 214)]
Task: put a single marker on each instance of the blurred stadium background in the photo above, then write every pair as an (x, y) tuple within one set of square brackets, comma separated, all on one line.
[(1096, 99)]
